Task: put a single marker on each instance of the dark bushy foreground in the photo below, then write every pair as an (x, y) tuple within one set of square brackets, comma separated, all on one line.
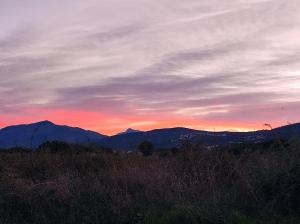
[(243, 184)]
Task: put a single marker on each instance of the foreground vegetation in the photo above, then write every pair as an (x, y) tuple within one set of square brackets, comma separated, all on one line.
[(241, 184)]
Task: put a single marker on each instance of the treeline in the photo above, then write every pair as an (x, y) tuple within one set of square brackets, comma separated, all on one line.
[(193, 184)]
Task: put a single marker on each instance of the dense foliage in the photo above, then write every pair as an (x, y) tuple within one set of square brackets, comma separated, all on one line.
[(241, 184)]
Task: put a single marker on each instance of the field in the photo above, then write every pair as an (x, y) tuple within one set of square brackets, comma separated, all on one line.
[(241, 184)]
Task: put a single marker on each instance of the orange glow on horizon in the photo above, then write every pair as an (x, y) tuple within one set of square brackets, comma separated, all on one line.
[(110, 125)]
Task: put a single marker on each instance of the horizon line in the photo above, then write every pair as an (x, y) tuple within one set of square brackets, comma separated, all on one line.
[(147, 130)]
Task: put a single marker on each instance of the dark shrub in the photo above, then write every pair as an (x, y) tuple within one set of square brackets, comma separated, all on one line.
[(55, 146), (146, 148)]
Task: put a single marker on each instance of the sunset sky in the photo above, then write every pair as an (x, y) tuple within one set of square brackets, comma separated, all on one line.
[(109, 65)]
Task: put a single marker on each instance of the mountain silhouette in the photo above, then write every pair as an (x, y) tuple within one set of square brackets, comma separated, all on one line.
[(33, 135), (129, 131)]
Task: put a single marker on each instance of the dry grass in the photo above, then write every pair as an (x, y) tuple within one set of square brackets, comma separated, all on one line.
[(245, 184)]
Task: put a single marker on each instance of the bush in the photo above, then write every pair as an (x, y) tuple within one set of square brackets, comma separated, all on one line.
[(146, 148), (55, 146)]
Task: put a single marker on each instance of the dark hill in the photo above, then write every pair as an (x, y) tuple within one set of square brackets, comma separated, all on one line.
[(33, 135)]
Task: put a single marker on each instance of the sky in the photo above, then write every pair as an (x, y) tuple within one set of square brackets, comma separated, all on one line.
[(109, 65)]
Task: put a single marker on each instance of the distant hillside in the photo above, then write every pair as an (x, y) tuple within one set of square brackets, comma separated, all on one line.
[(173, 137), (162, 138), (33, 135)]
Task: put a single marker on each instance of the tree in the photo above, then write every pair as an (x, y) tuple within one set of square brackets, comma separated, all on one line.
[(146, 148), (55, 146)]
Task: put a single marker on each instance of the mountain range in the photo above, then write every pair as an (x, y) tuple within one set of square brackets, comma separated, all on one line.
[(33, 135)]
